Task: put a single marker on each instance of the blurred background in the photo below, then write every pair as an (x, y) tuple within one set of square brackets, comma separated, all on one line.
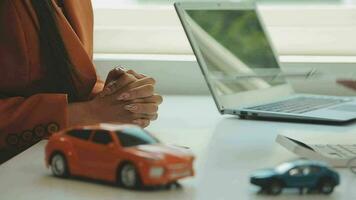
[(146, 35), (147, 2)]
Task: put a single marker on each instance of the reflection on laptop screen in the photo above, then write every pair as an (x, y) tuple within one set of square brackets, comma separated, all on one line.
[(235, 51)]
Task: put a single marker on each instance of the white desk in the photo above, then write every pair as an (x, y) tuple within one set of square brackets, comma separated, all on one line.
[(227, 151)]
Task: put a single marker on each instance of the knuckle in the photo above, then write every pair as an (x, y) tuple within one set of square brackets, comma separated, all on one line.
[(113, 71), (126, 78), (142, 75), (150, 88), (151, 80)]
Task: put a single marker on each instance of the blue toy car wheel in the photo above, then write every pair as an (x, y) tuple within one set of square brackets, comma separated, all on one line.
[(326, 186), (275, 188)]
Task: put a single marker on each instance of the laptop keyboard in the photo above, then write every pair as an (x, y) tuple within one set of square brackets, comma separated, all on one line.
[(300, 105), (336, 151)]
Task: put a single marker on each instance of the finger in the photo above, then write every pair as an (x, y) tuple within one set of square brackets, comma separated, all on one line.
[(141, 82), (114, 74), (118, 84), (157, 99), (144, 116), (138, 83), (133, 116), (144, 108), (137, 93), (135, 74), (141, 122), (152, 117)]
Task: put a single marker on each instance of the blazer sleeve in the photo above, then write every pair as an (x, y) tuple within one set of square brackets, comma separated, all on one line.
[(98, 87), (24, 121), (81, 17)]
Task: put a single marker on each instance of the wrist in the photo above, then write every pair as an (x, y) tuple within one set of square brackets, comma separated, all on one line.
[(80, 114)]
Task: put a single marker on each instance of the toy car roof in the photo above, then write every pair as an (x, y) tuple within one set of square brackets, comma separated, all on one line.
[(299, 163), (307, 162)]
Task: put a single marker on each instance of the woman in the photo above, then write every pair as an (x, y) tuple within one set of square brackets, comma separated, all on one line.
[(47, 78)]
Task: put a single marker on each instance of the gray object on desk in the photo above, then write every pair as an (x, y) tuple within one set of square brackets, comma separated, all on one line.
[(229, 40)]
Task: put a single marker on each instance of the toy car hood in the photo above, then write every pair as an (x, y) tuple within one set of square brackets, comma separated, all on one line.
[(263, 173), (170, 152)]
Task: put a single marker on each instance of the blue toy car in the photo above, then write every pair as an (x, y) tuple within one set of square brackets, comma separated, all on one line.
[(301, 174)]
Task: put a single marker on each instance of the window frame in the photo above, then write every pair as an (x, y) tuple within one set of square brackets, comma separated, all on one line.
[(117, 132), (79, 138), (95, 131), (155, 27)]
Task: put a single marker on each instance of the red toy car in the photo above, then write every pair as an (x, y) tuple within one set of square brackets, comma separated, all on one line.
[(125, 154)]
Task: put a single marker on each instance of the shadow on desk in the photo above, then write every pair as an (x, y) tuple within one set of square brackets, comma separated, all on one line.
[(237, 148), (110, 184), (300, 121)]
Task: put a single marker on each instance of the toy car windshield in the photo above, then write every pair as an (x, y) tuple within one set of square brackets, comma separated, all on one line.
[(283, 168), (133, 136)]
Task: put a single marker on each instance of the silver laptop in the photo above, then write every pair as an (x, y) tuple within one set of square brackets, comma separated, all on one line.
[(242, 71)]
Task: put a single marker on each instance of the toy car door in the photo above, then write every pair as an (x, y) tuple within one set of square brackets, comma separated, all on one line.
[(104, 159), (80, 141), (296, 177), (311, 175)]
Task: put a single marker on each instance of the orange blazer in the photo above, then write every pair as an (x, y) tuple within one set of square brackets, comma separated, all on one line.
[(26, 113)]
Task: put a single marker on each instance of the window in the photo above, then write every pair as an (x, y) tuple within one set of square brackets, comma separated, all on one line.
[(314, 170), (102, 137), (306, 171), (325, 28), (295, 172), (135, 136), (310, 170), (165, 2), (81, 134)]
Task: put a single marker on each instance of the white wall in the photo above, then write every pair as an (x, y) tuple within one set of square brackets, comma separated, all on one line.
[(295, 30)]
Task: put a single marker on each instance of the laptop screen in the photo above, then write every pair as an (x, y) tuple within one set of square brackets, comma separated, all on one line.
[(235, 53)]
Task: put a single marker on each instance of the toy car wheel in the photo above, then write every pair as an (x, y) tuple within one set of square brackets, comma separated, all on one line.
[(172, 185), (275, 188), (59, 165), (326, 186), (129, 176)]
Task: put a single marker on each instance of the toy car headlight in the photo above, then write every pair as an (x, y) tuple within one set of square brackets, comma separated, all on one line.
[(156, 172)]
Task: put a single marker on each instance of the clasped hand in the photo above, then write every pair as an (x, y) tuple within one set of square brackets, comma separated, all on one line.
[(128, 97)]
